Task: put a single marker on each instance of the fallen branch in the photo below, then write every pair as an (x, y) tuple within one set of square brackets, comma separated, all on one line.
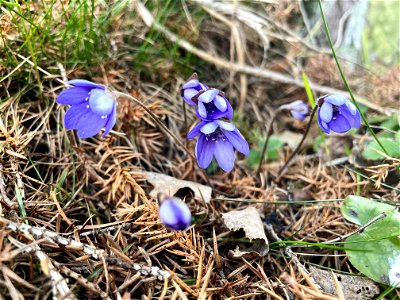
[(73, 245), (149, 20)]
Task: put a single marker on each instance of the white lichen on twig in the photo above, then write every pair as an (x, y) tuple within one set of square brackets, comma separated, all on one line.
[(72, 245)]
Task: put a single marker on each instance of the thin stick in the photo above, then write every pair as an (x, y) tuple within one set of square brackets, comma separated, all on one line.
[(3, 194), (269, 133), (300, 144), (241, 68), (360, 229), (69, 244), (184, 117), (288, 251), (40, 69)]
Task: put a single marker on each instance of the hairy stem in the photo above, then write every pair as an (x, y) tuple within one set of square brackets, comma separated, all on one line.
[(300, 144), (269, 133)]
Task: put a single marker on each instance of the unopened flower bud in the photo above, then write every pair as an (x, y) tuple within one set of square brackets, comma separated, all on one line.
[(175, 214)]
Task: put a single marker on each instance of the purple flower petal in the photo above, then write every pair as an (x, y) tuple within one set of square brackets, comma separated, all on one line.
[(191, 84), (238, 141), (205, 151), (209, 127), (212, 113), (195, 130), (201, 110), (354, 120), (351, 107), (224, 155), (90, 125), (208, 95), (336, 99), (298, 109), (297, 105), (225, 125), (340, 124), (74, 114), (100, 102), (73, 96), (85, 83), (323, 125), (188, 94), (199, 146), (220, 103), (298, 115), (229, 112), (111, 119), (357, 120), (326, 112)]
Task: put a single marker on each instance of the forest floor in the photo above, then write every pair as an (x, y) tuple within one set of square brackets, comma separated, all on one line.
[(79, 217)]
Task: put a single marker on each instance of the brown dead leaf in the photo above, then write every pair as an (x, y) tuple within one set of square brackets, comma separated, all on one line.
[(353, 287), (164, 184), (250, 221)]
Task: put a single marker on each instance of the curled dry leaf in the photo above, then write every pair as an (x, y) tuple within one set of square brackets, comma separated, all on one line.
[(352, 287), (250, 221), (165, 184)]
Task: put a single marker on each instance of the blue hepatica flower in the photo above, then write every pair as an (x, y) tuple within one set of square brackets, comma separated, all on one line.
[(338, 114), (175, 214), (298, 109), (211, 103), (218, 138), (92, 107)]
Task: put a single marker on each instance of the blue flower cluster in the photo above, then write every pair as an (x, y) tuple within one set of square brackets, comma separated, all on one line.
[(218, 137)]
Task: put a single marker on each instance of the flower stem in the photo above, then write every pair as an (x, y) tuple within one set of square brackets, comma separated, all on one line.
[(300, 144), (269, 133), (184, 117), (344, 78)]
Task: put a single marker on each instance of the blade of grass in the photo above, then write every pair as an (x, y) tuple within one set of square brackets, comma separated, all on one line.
[(36, 169), (344, 79), (387, 292), (309, 92), (311, 99), (28, 34)]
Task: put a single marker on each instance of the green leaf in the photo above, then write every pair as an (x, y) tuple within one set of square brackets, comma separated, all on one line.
[(273, 149), (254, 157), (375, 251), (360, 210), (391, 145), (391, 122), (272, 152)]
